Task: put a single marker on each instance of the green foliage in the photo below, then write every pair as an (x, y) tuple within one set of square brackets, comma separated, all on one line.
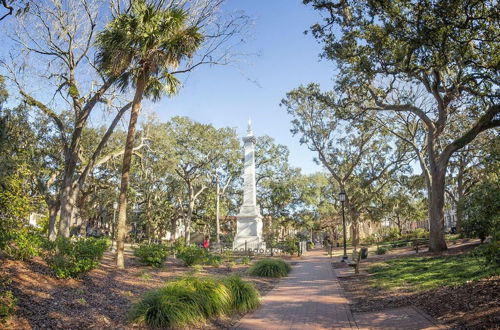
[(381, 250), (147, 34), (417, 274), (230, 265), (490, 251), (8, 304), (74, 258), (18, 239), (191, 300), (481, 210), (13, 198), (290, 245), (152, 254), (195, 269), (214, 260), (310, 246), (192, 255), (393, 234), (371, 239), (270, 268), (175, 305), (179, 244), (145, 275), (213, 297), (418, 233), (245, 261), (245, 296)]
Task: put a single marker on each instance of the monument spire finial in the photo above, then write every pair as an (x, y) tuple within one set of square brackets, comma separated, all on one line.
[(249, 129)]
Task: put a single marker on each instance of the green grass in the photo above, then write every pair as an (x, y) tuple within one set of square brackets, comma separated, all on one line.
[(270, 268), (424, 273)]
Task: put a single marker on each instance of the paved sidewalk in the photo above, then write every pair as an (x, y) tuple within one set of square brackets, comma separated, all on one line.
[(309, 298)]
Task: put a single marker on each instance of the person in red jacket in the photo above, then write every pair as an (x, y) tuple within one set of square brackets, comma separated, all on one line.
[(206, 243)]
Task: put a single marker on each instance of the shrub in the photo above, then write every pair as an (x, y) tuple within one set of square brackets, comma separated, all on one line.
[(214, 260), (490, 251), (393, 234), (270, 268), (179, 244), (310, 245), (370, 240), (191, 300), (245, 261), (74, 258), (481, 209), (18, 239), (192, 255), (152, 254), (8, 304), (24, 245), (381, 250), (245, 296), (291, 245)]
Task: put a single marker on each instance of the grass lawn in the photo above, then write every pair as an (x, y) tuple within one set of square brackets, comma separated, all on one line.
[(423, 273)]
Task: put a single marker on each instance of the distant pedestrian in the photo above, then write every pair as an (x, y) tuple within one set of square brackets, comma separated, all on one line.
[(206, 243)]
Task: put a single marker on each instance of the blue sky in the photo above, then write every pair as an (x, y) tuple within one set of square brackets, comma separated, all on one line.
[(228, 95), (282, 58)]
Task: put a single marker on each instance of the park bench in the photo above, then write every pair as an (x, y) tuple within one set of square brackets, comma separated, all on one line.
[(356, 260)]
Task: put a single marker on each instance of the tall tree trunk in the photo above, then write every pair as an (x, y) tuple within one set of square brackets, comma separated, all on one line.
[(187, 222), (67, 205), (436, 211), (127, 160), (398, 223), (53, 211)]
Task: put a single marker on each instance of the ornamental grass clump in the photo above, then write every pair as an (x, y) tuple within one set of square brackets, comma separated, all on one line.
[(174, 305), (212, 296), (270, 268), (245, 296), (191, 300)]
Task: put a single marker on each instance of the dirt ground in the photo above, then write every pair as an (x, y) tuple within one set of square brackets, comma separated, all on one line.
[(474, 305), (100, 299)]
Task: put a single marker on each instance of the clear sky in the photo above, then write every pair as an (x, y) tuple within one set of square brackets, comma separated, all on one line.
[(228, 96), (282, 58)]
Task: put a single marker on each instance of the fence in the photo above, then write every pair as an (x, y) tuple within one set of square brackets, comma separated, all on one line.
[(251, 248)]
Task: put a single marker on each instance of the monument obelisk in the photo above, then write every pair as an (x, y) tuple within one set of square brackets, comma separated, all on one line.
[(249, 220)]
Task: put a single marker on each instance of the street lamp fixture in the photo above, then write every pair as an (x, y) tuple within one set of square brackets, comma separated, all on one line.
[(342, 198)]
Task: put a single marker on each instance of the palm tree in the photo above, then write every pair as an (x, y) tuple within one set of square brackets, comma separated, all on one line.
[(141, 48)]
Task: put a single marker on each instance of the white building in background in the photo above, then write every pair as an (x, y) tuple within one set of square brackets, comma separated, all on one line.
[(450, 220), (35, 218), (180, 231)]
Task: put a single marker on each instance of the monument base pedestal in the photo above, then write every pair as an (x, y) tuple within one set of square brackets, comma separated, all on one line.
[(249, 232), (244, 243)]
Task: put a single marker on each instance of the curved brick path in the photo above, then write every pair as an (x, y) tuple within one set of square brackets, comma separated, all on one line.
[(309, 298)]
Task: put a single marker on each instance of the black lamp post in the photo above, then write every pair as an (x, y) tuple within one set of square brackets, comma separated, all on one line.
[(342, 197)]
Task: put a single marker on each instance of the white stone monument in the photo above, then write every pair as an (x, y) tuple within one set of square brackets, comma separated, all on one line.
[(249, 224)]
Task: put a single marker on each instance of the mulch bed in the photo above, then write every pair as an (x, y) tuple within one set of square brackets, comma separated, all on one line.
[(473, 305), (100, 299)]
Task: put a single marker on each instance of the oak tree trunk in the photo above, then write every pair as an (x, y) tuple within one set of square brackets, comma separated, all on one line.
[(436, 211), (53, 211)]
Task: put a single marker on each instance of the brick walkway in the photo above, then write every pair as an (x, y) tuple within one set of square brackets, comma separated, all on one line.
[(309, 298)]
